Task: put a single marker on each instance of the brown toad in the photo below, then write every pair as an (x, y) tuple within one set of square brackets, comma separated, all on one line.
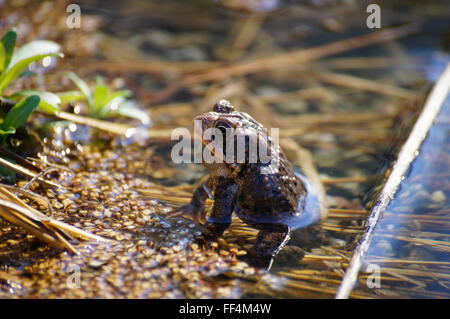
[(266, 194)]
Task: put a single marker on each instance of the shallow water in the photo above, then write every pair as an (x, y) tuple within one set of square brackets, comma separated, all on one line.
[(412, 239)]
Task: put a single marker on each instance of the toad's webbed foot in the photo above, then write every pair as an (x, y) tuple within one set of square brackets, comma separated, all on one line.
[(269, 241), (213, 231), (195, 209), (190, 211), (219, 218)]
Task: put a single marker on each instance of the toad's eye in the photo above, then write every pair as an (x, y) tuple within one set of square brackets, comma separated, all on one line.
[(222, 126)]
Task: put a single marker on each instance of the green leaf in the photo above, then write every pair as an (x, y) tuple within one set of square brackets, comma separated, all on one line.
[(35, 48), (8, 41), (71, 96), (20, 66), (121, 93), (101, 99), (83, 86), (2, 57), (23, 57), (49, 103), (129, 109), (15, 64), (10, 130), (20, 112)]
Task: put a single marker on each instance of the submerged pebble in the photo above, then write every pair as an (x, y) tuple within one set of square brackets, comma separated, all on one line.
[(438, 197)]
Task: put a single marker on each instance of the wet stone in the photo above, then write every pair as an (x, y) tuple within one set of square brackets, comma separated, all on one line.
[(438, 197)]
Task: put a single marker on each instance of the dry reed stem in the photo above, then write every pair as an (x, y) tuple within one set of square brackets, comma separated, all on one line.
[(115, 128), (300, 285), (286, 59), (437, 244), (19, 160), (301, 55), (358, 179), (242, 36), (54, 232), (43, 201), (384, 260), (354, 82), (8, 277), (417, 217), (262, 109), (417, 273), (352, 63), (318, 279), (348, 211), (26, 172), (150, 66), (9, 212)]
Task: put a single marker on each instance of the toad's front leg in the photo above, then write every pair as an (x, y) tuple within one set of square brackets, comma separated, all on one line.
[(225, 196)]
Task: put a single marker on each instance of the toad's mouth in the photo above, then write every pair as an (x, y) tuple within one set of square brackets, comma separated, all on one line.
[(217, 153), (200, 126)]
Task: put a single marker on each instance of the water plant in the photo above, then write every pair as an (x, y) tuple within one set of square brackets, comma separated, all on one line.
[(17, 116), (103, 102), (13, 64), (16, 108)]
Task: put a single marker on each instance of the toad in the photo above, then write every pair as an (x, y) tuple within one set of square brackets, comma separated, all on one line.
[(266, 194)]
